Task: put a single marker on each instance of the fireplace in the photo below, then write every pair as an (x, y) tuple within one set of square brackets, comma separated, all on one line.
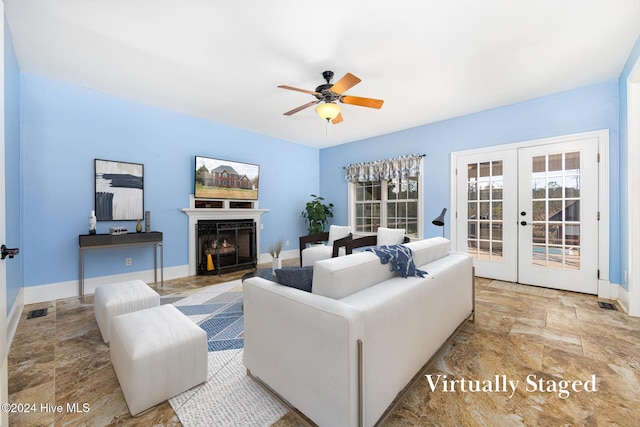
[(228, 211), (225, 245)]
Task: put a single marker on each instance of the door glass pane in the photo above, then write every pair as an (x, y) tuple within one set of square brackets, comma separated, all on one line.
[(555, 162), (496, 251), (539, 210), (556, 212), (483, 190), (496, 211), (472, 191), (485, 183), (539, 233), (496, 232), (485, 169), (572, 186), (539, 255), (483, 251), (572, 162), (472, 248), (472, 211), (484, 210), (496, 190), (555, 188), (496, 169), (539, 188), (539, 164)]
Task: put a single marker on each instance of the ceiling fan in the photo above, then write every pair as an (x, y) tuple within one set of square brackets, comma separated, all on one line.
[(326, 94)]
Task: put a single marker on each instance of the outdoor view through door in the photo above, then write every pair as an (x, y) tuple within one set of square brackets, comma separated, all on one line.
[(530, 214), (555, 193)]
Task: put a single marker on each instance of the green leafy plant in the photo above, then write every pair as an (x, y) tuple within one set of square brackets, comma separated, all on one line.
[(275, 249), (317, 214)]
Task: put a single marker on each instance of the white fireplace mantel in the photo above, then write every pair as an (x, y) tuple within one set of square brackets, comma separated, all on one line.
[(196, 215)]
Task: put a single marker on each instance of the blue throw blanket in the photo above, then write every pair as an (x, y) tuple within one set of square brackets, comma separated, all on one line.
[(400, 257)]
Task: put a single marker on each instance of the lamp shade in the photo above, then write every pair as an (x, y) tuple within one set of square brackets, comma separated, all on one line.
[(439, 221), (328, 110)]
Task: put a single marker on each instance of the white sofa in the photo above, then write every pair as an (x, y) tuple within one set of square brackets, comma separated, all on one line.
[(306, 346)]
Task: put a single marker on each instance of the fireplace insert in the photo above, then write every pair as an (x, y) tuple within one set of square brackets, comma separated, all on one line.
[(225, 245)]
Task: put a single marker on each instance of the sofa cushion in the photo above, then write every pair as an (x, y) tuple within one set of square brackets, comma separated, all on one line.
[(338, 277), (429, 250), (337, 232), (390, 236), (296, 277)]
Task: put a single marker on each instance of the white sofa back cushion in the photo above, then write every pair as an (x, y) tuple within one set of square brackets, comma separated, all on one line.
[(390, 236), (337, 232), (429, 250), (338, 277)]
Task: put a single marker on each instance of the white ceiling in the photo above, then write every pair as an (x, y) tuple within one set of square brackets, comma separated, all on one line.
[(222, 60)]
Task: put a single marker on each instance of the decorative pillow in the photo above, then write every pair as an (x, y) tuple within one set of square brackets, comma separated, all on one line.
[(390, 236), (296, 277), (337, 232)]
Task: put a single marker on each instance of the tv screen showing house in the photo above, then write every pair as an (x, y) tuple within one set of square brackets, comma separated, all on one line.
[(224, 179)]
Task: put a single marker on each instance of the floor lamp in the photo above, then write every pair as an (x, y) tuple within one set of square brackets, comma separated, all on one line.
[(439, 221)]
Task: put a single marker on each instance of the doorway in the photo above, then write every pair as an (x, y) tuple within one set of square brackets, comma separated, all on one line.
[(531, 212)]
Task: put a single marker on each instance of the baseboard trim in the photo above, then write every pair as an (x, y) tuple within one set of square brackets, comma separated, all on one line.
[(289, 254), (71, 288), (606, 289), (13, 319), (622, 296)]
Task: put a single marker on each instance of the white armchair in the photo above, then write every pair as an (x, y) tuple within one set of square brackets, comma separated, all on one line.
[(336, 239)]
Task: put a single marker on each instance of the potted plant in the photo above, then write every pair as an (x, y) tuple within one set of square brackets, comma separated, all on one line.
[(317, 214), (275, 250)]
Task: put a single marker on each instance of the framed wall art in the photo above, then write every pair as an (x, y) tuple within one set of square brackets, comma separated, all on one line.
[(119, 190)]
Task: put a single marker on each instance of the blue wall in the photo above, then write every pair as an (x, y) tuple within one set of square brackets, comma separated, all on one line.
[(623, 174), (12, 178), (581, 110), (65, 127)]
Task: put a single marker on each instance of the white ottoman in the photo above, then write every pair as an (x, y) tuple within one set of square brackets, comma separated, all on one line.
[(157, 353), (120, 298)]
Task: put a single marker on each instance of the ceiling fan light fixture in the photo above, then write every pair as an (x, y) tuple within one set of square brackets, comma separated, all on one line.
[(328, 110)]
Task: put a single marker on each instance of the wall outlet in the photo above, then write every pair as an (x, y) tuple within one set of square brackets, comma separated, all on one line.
[(127, 262), (286, 243)]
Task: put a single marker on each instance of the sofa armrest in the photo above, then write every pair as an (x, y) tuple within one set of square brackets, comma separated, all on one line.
[(312, 238), (304, 347)]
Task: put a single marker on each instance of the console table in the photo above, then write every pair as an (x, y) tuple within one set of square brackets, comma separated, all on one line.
[(104, 241)]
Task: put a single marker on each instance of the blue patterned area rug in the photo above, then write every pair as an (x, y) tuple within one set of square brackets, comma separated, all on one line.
[(229, 397)]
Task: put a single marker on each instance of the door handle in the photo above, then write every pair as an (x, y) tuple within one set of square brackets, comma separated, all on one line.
[(8, 252)]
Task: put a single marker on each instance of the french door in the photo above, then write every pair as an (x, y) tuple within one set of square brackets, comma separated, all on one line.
[(530, 214)]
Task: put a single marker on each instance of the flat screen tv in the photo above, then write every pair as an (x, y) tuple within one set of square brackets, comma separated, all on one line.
[(224, 179)]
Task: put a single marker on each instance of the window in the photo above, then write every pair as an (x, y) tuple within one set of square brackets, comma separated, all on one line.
[(386, 194)]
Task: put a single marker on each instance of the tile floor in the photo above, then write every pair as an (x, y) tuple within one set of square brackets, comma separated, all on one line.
[(520, 332)]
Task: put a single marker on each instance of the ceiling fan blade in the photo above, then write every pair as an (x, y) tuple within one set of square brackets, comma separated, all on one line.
[(338, 119), (362, 102), (300, 108), (311, 92), (345, 83)]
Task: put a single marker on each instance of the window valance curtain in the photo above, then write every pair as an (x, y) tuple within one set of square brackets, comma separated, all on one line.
[(396, 169)]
